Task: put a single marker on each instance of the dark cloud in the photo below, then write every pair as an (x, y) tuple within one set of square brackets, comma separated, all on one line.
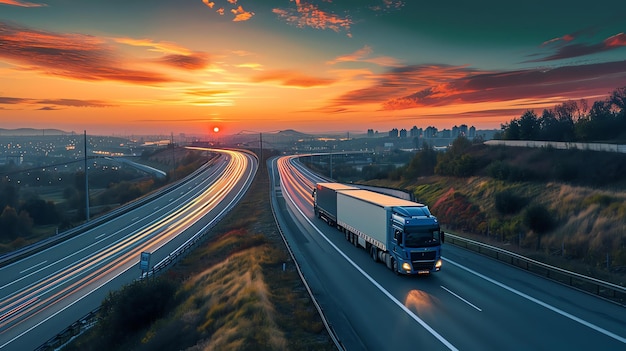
[(189, 62), (5, 100), (51, 103), (583, 80), (439, 85), (75, 56), (74, 103), (576, 50)]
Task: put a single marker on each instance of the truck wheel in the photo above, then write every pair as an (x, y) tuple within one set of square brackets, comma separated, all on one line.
[(355, 240), (374, 253), (347, 236), (394, 266)]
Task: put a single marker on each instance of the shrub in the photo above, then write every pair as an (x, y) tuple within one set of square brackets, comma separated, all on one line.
[(132, 309), (508, 203)]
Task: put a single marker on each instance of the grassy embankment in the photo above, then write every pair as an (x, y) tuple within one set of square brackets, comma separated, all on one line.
[(229, 294)]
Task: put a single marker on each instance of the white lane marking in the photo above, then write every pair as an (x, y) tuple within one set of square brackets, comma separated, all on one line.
[(541, 303), (33, 267), (460, 298), (101, 235), (375, 283)]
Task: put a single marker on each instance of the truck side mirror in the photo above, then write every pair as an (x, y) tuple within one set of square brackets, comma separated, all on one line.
[(443, 236), (398, 236)]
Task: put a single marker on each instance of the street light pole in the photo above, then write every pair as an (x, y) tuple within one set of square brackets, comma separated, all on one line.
[(261, 147), (86, 182)]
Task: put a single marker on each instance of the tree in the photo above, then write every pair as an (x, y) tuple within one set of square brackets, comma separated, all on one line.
[(538, 219), (41, 211), (618, 100), (549, 126), (511, 130), (456, 161), (423, 163), (8, 195), (565, 113), (8, 224), (529, 126)]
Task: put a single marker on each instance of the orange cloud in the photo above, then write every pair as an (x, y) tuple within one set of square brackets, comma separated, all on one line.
[(241, 14), (21, 3), (163, 47), (207, 92), (291, 78), (361, 56), (309, 15), (209, 3)]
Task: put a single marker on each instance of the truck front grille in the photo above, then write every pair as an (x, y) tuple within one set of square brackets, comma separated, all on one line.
[(423, 256), (423, 266)]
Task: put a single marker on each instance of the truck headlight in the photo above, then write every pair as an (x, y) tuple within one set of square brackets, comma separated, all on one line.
[(406, 266), (438, 264)]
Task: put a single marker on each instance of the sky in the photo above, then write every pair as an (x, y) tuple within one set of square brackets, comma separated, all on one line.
[(187, 66)]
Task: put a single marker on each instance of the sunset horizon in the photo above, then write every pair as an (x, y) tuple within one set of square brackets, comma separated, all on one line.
[(312, 66)]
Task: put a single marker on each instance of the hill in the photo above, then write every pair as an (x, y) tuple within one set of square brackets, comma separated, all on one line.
[(32, 131)]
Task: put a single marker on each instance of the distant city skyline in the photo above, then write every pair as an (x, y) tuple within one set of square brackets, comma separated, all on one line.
[(122, 68)]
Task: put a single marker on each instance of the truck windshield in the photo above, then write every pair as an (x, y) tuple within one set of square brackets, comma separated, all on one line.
[(422, 238)]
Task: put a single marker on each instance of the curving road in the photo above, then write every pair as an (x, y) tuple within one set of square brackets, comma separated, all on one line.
[(47, 291), (474, 303)]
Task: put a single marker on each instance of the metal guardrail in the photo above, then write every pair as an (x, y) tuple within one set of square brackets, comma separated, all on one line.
[(600, 288)]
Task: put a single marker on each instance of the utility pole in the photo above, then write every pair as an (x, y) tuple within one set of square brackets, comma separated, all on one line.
[(261, 146), (331, 165), (86, 182), (173, 153)]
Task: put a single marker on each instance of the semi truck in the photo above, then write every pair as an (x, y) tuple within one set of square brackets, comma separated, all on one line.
[(402, 234), (325, 204)]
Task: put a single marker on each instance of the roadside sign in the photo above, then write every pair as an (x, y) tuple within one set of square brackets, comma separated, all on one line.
[(144, 261)]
